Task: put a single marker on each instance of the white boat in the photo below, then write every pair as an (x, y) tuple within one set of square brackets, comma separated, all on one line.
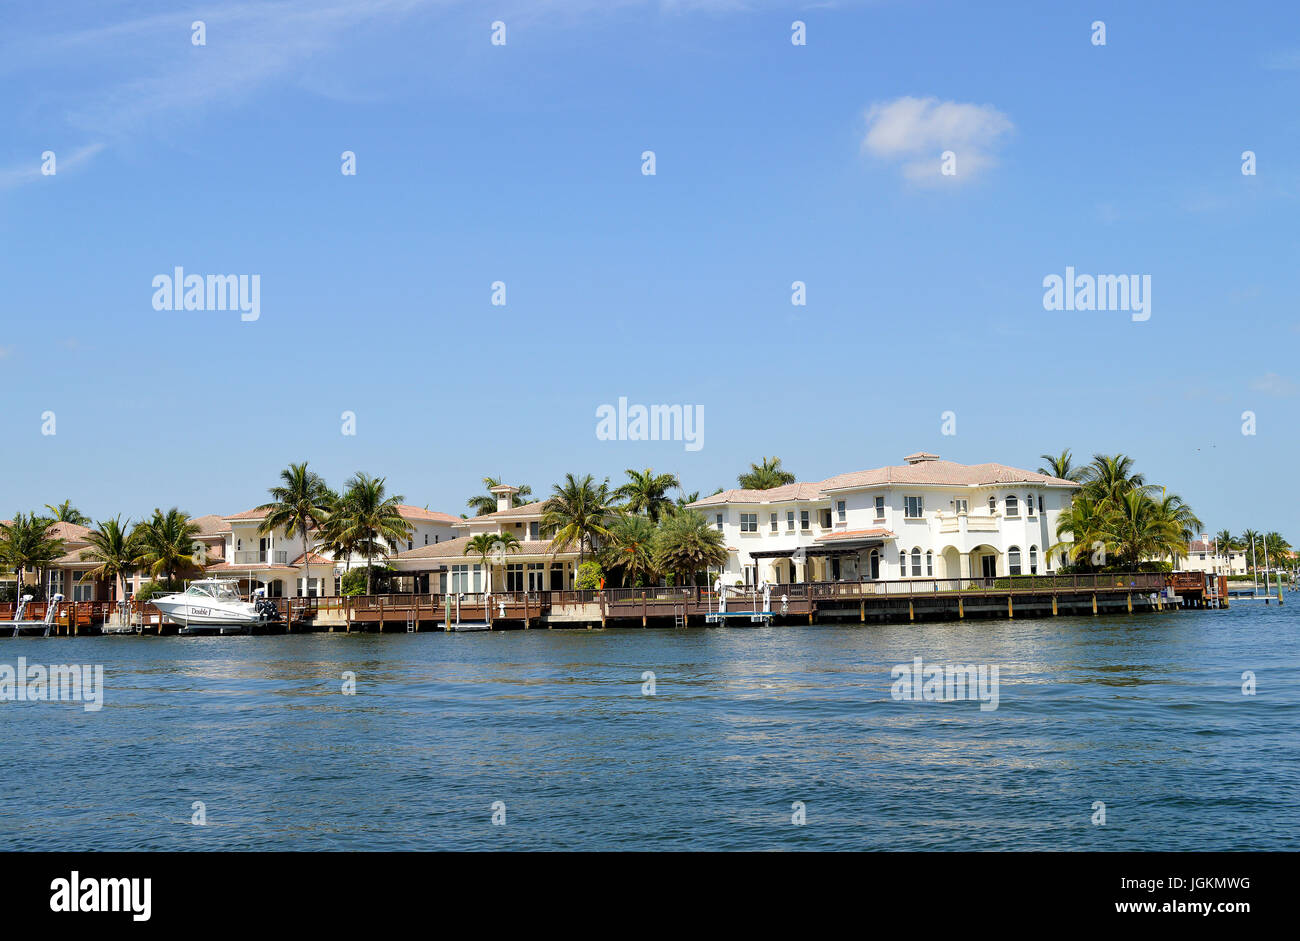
[(214, 604)]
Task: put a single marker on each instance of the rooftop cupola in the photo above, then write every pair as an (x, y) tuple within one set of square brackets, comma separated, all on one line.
[(505, 496)]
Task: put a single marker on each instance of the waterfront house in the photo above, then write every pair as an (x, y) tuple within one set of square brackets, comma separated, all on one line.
[(451, 567), (275, 562), (1204, 555), (925, 518)]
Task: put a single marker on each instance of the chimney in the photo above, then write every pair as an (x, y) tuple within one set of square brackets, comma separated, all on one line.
[(505, 496)]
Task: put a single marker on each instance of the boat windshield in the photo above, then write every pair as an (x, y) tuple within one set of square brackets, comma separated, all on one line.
[(221, 591)]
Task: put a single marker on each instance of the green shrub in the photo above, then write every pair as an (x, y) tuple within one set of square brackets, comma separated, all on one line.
[(589, 576)]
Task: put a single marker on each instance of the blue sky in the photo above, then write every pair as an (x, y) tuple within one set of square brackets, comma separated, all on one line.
[(522, 163)]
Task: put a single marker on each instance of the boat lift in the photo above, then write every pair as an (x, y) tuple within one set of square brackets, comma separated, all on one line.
[(720, 614), (45, 626)]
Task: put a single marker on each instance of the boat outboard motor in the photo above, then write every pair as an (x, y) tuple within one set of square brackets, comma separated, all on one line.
[(266, 609)]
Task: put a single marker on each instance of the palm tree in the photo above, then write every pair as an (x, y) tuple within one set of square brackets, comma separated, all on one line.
[(485, 503), (1225, 542), (647, 492), (577, 513), (685, 499), (1278, 549), (29, 542), (1138, 530), (166, 544), (368, 519), (1171, 509), (1109, 477), (491, 544), (1083, 522), (118, 554), (687, 544), (1252, 544), (300, 504), (65, 512), (765, 476), (630, 549), (1060, 466)]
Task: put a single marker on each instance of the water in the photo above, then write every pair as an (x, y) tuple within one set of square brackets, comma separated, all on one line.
[(1142, 712)]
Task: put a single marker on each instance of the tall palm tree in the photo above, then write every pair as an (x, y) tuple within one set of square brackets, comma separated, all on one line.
[(300, 504), (65, 512), (1225, 542), (1279, 550), (1061, 466), (577, 513), (766, 475), (166, 544), (29, 542), (118, 554), (647, 492), (368, 519), (1252, 543), (484, 503), (687, 544), (685, 499), (489, 545), (630, 549)]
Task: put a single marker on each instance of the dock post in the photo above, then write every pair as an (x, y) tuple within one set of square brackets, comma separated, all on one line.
[(381, 614), (961, 608), (1130, 602), (643, 609), (1010, 611), (862, 610), (911, 611), (1053, 605), (1094, 602)]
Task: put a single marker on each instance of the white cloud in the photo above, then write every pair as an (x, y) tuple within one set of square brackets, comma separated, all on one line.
[(31, 171), (1272, 384), (915, 132)]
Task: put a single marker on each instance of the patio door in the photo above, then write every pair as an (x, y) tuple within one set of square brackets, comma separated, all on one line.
[(989, 565)]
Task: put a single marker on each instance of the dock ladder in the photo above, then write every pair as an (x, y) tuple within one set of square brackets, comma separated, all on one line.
[(410, 622)]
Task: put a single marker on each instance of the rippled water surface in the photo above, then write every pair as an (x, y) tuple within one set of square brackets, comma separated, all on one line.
[(1145, 713)]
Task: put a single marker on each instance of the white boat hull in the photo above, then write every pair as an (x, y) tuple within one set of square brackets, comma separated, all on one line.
[(189, 614)]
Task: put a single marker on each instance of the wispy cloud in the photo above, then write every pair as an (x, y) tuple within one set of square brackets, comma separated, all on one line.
[(914, 132), (31, 171), (1272, 384)]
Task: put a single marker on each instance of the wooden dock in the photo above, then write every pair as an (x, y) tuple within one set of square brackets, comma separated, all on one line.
[(905, 601)]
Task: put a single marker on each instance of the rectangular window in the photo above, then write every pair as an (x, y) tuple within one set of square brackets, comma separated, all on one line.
[(880, 508), (718, 524), (338, 585), (803, 519), (839, 510), (772, 522), (410, 544), (1040, 504), (913, 508), (789, 521), (960, 506), (1029, 504), (532, 530), (749, 522), (515, 576), (826, 519)]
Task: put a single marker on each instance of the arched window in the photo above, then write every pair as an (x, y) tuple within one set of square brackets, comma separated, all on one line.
[(929, 563), (993, 503), (1029, 504), (1033, 560), (916, 563), (1013, 560), (1013, 507), (902, 563)]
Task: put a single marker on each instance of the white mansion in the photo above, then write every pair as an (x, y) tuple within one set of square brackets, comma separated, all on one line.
[(927, 518)]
